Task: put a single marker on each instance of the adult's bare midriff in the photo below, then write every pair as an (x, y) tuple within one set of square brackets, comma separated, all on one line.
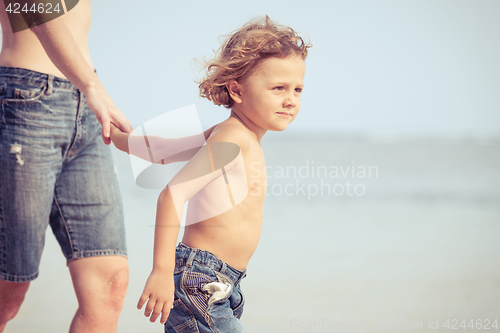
[(23, 49)]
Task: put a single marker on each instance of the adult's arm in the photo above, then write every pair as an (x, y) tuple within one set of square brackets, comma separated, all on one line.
[(63, 51)]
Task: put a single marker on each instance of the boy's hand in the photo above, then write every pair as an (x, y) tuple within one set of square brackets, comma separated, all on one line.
[(119, 138), (159, 290)]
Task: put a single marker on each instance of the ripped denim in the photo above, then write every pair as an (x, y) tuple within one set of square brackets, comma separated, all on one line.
[(208, 296), (54, 170)]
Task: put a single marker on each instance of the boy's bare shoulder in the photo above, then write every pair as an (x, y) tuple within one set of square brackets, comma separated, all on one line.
[(234, 132)]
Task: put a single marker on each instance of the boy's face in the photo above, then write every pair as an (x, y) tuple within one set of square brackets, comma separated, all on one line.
[(270, 97)]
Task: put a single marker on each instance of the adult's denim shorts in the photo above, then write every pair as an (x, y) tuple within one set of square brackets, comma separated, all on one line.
[(54, 169), (208, 295)]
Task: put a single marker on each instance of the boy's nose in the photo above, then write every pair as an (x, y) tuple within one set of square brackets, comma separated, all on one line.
[(291, 101)]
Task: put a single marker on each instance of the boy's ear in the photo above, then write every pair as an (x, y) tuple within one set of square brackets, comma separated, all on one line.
[(234, 89)]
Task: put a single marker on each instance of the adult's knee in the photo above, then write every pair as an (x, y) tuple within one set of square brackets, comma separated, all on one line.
[(11, 297), (116, 288), (100, 285)]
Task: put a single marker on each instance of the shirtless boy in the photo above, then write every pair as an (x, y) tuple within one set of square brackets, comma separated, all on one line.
[(195, 287), (55, 169)]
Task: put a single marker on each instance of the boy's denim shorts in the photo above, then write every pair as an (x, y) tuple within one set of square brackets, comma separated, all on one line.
[(54, 169), (208, 295)]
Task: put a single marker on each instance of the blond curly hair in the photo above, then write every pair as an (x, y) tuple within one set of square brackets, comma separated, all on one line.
[(243, 51)]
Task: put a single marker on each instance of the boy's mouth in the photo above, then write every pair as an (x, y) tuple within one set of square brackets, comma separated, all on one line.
[(284, 114)]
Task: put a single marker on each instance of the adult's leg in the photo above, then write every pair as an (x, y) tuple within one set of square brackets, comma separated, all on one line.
[(11, 297), (100, 285), (87, 220), (29, 163)]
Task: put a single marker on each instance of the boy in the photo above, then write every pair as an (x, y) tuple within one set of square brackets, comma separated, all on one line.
[(258, 73)]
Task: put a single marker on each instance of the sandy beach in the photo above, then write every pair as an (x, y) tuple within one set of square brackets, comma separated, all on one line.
[(417, 248)]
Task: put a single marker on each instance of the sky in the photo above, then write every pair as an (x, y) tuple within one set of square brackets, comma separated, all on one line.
[(376, 66)]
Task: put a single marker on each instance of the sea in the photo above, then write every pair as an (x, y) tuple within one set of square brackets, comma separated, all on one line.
[(362, 233)]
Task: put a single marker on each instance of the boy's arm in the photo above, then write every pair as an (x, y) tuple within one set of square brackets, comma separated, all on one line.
[(63, 51), (160, 287), (119, 138), (190, 180), (163, 150)]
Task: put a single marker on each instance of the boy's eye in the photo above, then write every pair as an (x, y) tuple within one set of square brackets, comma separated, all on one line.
[(299, 90), (279, 88)]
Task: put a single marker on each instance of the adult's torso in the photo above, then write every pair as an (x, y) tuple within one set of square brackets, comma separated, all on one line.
[(23, 49)]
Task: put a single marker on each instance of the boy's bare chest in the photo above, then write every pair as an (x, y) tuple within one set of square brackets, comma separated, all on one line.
[(245, 180), (255, 167)]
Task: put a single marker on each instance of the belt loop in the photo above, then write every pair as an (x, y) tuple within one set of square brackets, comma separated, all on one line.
[(189, 262), (242, 275), (50, 85), (223, 268)]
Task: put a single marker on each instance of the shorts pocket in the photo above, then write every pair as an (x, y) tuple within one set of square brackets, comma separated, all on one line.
[(238, 309), (181, 319), (21, 106), (192, 284), (22, 96)]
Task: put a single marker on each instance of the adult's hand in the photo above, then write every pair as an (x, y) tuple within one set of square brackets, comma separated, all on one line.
[(106, 111)]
